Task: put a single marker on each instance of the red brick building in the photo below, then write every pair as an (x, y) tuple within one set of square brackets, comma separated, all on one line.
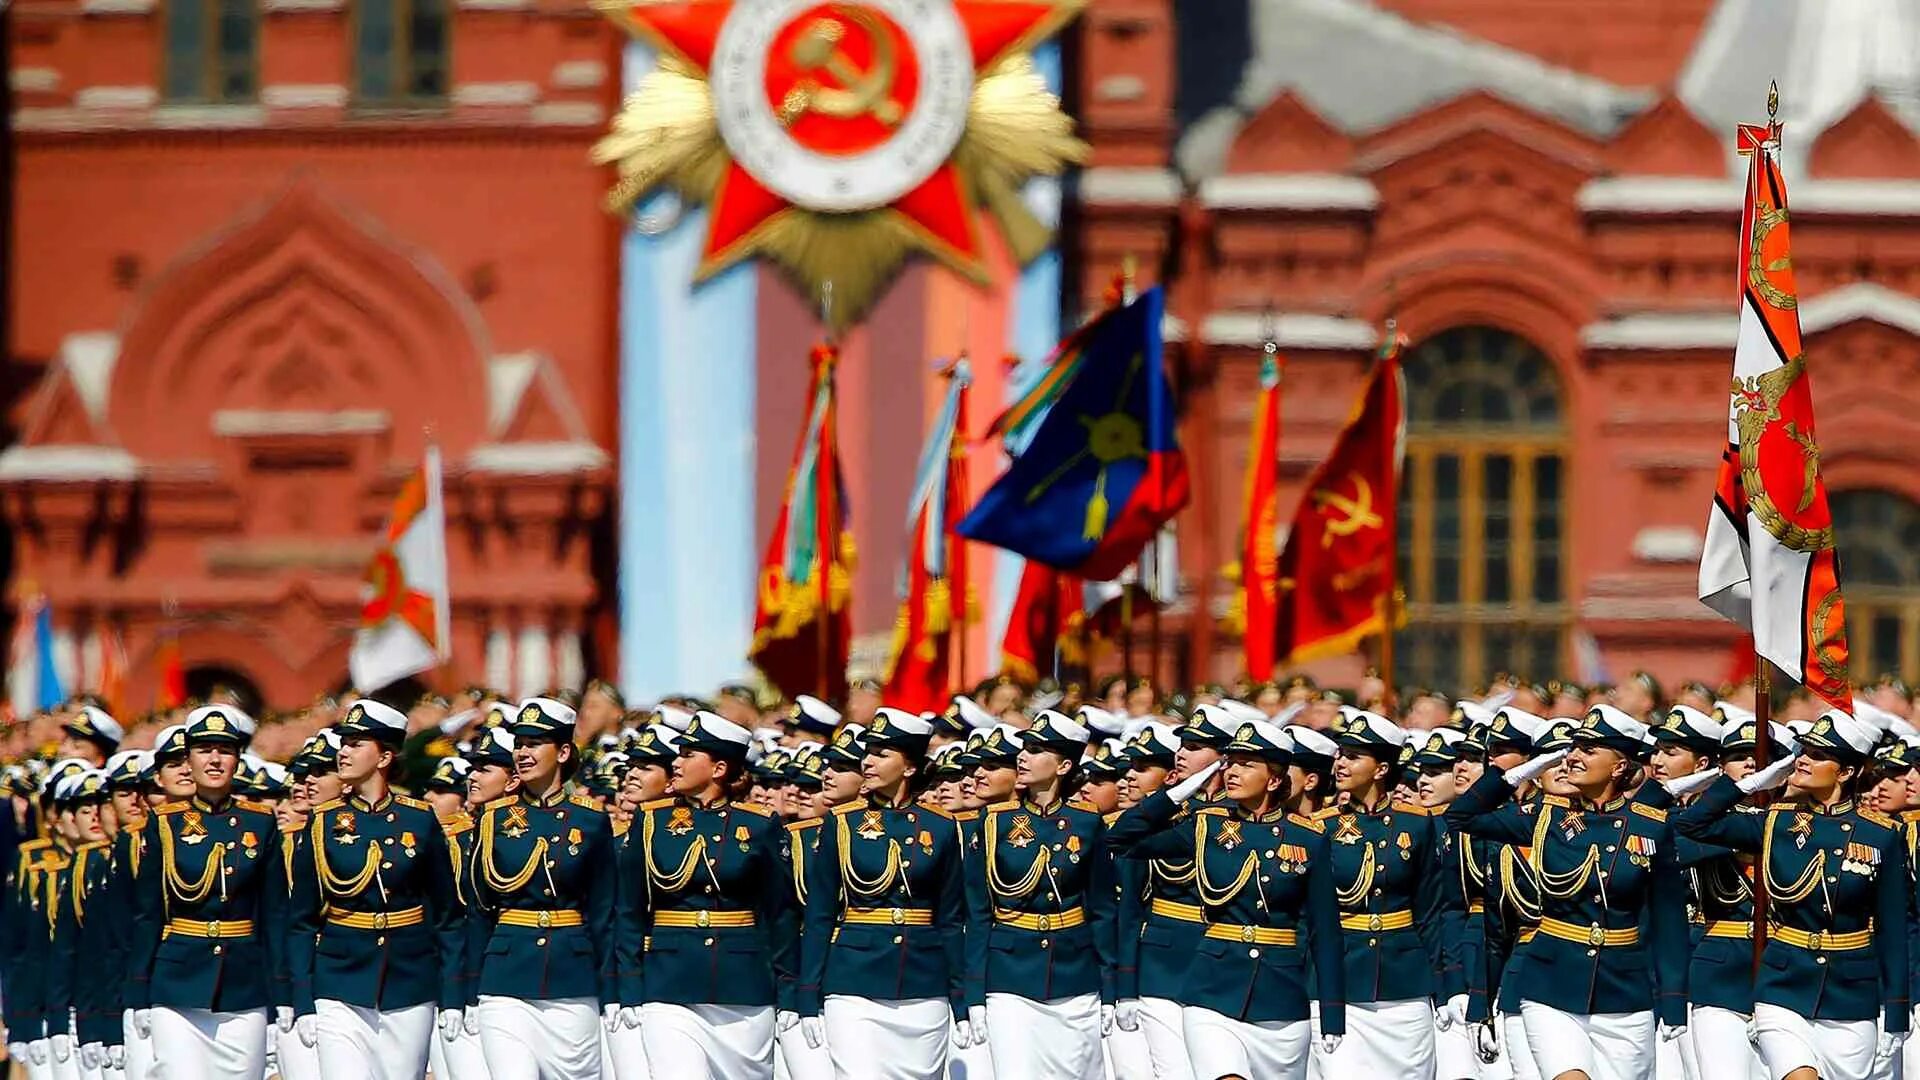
[(261, 250), (1545, 195)]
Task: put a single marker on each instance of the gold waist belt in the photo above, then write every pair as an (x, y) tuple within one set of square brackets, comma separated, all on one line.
[(1590, 935), (376, 920), (888, 917), (1073, 916), (1822, 940), (1253, 935), (210, 928), (1373, 924), (1174, 909), (1730, 928), (702, 919), (1528, 933), (1476, 907), (540, 920)]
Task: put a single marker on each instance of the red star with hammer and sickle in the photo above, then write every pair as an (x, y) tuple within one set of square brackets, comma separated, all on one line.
[(939, 210)]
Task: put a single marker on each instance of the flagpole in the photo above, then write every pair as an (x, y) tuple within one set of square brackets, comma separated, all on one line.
[(1762, 669), (1390, 501), (823, 478), (1127, 294), (956, 545)]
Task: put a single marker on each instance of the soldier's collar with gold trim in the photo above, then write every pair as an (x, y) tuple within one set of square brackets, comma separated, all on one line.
[(198, 803), (546, 802), (386, 800), (1047, 811), (1839, 809), (1611, 806)]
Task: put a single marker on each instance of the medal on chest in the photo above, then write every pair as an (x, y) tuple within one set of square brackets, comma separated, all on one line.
[(1020, 833), (250, 844), (680, 822), (1229, 834), (343, 828), (741, 836), (1073, 848), (1405, 843), (1292, 857), (1348, 831), (1801, 829), (1573, 825), (1861, 859), (515, 824), (407, 843), (193, 830), (871, 827), (926, 842)]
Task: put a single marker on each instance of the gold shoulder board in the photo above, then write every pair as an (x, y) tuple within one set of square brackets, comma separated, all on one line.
[(1652, 813), (1306, 822)]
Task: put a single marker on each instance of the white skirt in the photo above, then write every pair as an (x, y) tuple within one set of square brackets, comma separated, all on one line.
[(1127, 1055), (1514, 1049), (361, 1042), (1385, 1039), (461, 1059), (887, 1040), (1605, 1046), (1218, 1045), (1836, 1049), (1166, 1031), (1045, 1040), (1454, 1055), (199, 1044), (139, 1051), (296, 1059), (542, 1039), (707, 1042), (795, 1060), (969, 1062), (625, 1051), (1717, 1047)]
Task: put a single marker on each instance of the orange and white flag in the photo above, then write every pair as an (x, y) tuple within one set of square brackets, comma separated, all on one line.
[(1769, 563), (404, 606)]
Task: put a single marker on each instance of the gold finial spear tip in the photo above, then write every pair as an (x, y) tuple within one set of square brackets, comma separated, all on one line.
[(1773, 99)]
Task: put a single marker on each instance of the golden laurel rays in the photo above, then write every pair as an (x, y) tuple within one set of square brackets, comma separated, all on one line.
[(665, 136)]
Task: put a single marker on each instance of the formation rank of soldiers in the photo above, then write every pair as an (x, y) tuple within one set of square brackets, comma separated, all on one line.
[(1229, 895)]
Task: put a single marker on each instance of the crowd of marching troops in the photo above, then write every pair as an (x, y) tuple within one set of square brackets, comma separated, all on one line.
[(1229, 892)]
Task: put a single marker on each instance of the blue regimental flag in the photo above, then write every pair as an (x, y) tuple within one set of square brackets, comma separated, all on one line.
[(1104, 469)]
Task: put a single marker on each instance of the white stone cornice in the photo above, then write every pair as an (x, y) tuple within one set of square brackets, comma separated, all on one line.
[(1289, 191), (34, 80), (568, 114), (1291, 330), (579, 74), (1655, 330), (1700, 195), (67, 463), (535, 459), (304, 96), (496, 93), (1116, 185), (258, 422), (116, 97)]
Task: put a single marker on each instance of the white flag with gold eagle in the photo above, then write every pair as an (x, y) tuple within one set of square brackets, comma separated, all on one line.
[(404, 604), (1769, 563)]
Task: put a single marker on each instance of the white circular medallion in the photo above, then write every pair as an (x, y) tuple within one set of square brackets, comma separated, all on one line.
[(851, 77)]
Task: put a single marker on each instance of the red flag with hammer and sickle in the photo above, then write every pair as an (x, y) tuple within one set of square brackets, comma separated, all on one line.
[(1769, 562), (1335, 573)]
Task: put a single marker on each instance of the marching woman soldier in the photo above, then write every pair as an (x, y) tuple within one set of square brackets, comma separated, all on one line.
[(375, 925), (166, 778), (543, 880), (650, 755), (707, 925), (1163, 926), (1612, 912), (798, 1060), (1386, 864), (1838, 895), (1511, 918), (1042, 890), (455, 1053), (80, 964), (883, 954), (1265, 882), (317, 768), (128, 779), (208, 925)]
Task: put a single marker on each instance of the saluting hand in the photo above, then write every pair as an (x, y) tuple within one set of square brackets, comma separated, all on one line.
[(1186, 789), (1770, 777), (1520, 774)]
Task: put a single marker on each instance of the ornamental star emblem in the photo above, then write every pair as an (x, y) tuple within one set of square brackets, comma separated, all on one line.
[(837, 138)]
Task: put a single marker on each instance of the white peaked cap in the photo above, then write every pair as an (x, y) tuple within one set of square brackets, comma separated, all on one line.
[(1382, 728), (1523, 721), (902, 720), (1732, 715), (971, 712), (1241, 712), (106, 725), (1477, 715), (673, 716), (1286, 716), (1102, 721)]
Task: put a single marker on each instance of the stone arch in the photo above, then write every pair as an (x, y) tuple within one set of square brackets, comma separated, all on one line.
[(302, 304)]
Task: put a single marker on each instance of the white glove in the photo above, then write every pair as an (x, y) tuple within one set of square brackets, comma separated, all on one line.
[(1680, 787), (308, 1028), (470, 1020), (1127, 1015), (37, 1051), (93, 1055), (610, 1017), (1106, 1019), (117, 1056), (1670, 1032), (1770, 777), (62, 1046), (1520, 774), (1330, 1044), (143, 1023), (962, 1034), (1185, 789), (283, 1018), (977, 1017), (1889, 1048), (814, 1030), (1486, 1039), (449, 1021), (1451, 1015), (630, 1017), (16, 1051), (784, 1020)]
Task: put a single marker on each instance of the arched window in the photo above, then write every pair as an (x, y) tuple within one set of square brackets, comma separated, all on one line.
[(400, 52), (212, 47), (1483, 512), (1878, 534)]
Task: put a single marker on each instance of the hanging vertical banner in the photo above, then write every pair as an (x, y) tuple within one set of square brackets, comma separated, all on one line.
[(933, 584)]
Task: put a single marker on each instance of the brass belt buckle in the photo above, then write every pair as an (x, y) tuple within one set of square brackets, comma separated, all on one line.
[(545, 919), (1247, 934), (702, 919), (379, 920), (1596, 936), (1374, 923), (1817, 940), (213, 928), (1046, 922), (899, 917)]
